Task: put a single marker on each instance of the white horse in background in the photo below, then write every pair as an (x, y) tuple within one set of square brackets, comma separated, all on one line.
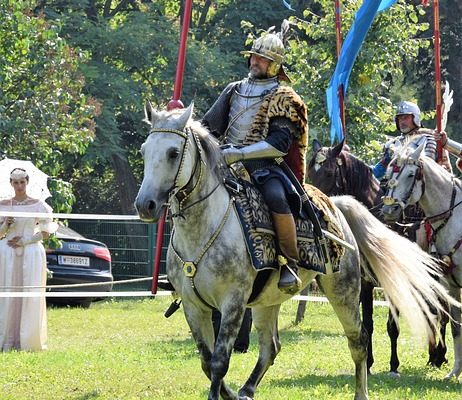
[(416, 178)]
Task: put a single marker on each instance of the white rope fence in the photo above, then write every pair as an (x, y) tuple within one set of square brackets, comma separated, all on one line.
[(69, 216), (40, 291), (135, 293)]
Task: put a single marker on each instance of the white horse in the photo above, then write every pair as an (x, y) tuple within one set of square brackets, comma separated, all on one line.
[(209, 265), (415, 178)]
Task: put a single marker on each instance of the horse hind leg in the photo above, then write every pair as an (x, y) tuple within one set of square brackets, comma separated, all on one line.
[(344, 300), (265, 320)]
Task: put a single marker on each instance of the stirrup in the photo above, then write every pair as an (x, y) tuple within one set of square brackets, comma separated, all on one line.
[(289, 282)]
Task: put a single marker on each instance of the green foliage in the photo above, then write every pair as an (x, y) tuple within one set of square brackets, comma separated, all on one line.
[(44, 115), (420, 71), (375, 77), (74, 77)]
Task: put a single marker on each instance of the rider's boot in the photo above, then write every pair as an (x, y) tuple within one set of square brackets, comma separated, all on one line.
[(284, 224)]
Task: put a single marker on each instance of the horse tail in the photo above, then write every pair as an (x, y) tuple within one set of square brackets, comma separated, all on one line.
[(407, 274)]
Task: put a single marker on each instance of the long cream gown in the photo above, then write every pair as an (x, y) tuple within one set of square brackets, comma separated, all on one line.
[(23, 321)]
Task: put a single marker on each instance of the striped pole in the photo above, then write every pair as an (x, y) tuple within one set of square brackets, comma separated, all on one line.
[(437, 51), (175, 102)]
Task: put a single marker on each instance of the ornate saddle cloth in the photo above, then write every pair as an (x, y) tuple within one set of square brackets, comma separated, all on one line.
[(259, 233)]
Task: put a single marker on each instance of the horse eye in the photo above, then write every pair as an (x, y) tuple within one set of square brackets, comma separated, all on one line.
[(173, 154)]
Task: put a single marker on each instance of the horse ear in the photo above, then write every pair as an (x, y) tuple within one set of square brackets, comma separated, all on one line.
[(150, 114), (337, 149), (316, 146), (185, 117), (417, 152)]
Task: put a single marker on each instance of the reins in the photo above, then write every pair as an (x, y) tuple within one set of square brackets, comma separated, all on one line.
[(190, 267)]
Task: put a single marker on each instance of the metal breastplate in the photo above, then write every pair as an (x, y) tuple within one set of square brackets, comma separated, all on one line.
[(430, 144), (244, 105)]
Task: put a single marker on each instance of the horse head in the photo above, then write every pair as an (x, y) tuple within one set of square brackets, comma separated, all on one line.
[(323, 167), (405, 185), (169, 153)]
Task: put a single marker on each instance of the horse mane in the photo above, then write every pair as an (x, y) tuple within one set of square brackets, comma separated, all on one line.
[(358, 175), (210, 146)]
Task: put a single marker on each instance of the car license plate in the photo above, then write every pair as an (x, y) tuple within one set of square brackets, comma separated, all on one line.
[(73, 260)]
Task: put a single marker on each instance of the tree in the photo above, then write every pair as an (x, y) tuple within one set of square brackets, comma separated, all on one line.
[(44, 115), (133, 48), (421, 71), (376, 76)]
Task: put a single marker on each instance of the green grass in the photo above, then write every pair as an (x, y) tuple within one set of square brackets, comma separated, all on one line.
[(128, 350)]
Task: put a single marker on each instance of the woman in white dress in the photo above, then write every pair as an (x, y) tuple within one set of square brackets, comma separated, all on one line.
[(23, 321)]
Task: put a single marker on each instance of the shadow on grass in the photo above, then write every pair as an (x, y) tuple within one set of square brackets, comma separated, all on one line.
[(95, 394), (417, 382)]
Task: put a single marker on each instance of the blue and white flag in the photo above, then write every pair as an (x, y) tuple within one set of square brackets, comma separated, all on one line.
[(350, 48)]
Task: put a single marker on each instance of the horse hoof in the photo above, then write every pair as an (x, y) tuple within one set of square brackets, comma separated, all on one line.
[(452, 375), (394, 374)]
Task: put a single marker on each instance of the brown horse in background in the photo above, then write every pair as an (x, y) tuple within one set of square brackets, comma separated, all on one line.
[(336, 171)]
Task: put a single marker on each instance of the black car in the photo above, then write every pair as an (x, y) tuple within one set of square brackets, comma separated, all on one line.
[(78, 260)]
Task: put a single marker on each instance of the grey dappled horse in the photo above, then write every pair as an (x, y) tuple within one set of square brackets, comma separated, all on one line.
[(208, 263), (415, 178)]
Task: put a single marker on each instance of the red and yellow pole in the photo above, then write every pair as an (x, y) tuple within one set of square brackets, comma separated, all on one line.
[(175, 102)]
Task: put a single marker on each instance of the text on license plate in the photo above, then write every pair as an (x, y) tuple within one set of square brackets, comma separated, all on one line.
[(73, 260)]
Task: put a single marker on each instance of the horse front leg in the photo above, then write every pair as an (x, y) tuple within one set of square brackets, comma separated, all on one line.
[(200, 323), (232, 315), (265, 320), (367, 307), (437, 352), (455, 313), (393, 333)]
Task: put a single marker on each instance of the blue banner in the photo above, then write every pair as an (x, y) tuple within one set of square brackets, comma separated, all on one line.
[(349, 52)]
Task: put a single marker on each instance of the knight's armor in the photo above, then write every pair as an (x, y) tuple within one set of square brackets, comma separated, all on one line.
[(244, 105), (414, 140), (264, 120)]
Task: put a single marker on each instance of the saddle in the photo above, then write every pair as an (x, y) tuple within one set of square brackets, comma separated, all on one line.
[(260, 236)]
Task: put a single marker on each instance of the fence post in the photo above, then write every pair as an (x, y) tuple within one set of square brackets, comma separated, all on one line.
[(151, 245)]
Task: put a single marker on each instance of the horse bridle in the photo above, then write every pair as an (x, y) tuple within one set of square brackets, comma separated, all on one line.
[(174, 189), (190, 267), (388, 199), (339, 177)]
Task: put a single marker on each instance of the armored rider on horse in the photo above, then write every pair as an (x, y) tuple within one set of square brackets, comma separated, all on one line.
[(260, 119)]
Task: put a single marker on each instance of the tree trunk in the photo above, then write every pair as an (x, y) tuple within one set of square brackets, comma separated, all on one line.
[(126, 182)]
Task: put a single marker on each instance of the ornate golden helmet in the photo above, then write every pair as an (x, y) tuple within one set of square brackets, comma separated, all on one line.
[(271, 46)]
